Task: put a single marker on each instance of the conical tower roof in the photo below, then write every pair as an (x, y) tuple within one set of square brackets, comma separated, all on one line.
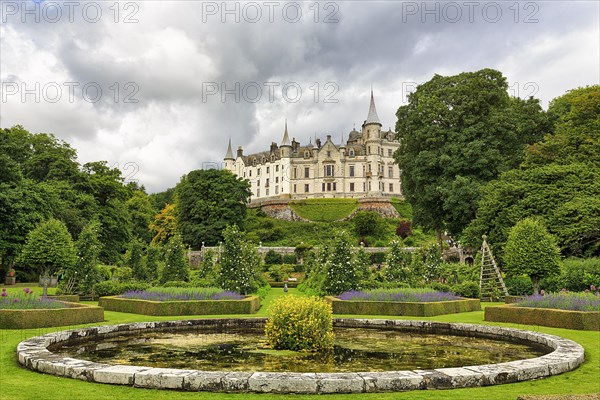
[(229, 155), (373, 118), (286, 139)]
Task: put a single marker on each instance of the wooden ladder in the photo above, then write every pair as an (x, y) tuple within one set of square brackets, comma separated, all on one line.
[(490, 278)]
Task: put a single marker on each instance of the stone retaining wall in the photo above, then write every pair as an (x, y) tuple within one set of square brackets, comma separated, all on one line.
[(567, 355)]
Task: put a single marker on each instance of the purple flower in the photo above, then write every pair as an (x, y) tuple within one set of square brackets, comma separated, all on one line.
[(4, 294), (27, 290)]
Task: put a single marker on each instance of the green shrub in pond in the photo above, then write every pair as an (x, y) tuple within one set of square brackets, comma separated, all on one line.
[(300, 324)]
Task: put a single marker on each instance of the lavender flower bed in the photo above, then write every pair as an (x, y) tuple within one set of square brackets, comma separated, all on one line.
[(26, 301), (182, 294), (399, 295), (563, 301)]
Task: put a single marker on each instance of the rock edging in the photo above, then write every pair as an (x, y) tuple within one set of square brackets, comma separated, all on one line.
[(566, 356)]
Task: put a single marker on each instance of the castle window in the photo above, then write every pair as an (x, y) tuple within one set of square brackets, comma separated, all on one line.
[(369, 149), (276, 189), (352, 186), (250, 173), (268, 169), (381, 151), (276, 179), (369, 167), (389, 152), (306, 154), (306, 172), (328, 154), (258, 182), (277, 168), (329, 186), (267, 190), (295, 173), (334, 186), (272, 157), (391, 172), (294, 188), (329, 170), (351, 152), (323, 187), (306, 188), (267, 182), (364, 187), (351, 170), (264, 159), (258, 192), (244, 174), (391, 187), (254, 162)]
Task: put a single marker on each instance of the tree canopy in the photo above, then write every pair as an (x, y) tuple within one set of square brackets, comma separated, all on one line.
[(207, 201), (456, 134), (559, 181)]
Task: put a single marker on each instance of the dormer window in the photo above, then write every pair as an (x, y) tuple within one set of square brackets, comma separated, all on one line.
[(264, 159), (254, 162), (306, 154), (328, 154), (351, 152), (272, 157)]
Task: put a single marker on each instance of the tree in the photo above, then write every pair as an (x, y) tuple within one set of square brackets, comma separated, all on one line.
[(362, 264), (141, 215), (240, 263), (558, 182), (164, 225), (82, 276), (49, 248), (207, 202), (398, 263), (366, 222), (154, 255), (456, 134), (134, 260), (531, 250), (340, 270), (176, 263)]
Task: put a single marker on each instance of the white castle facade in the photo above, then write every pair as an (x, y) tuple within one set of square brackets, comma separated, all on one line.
[(362, 167)]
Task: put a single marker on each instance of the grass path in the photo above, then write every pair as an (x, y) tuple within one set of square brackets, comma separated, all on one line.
[(19, 383)]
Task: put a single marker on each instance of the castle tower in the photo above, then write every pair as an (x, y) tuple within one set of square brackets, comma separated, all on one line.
[(229, 160), (371, 132), (285, 147)]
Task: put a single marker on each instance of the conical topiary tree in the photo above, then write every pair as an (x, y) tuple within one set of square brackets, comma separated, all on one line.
[(176, 263), (398, 263), (239, 263), (532, 251), (341, 275)]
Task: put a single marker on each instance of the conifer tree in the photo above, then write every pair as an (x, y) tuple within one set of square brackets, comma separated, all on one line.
[(176, 263)]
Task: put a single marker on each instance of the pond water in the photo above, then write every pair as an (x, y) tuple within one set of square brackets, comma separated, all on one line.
[(355, 350)]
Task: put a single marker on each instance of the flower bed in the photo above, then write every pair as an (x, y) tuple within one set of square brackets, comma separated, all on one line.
[(181, 294), (561, 310), (63, 313), (563, 301), (27, 300), (413, 302), (181, 301)]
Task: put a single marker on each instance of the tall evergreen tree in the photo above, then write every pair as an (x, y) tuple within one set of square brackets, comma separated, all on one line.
[(341, 275), (176, 263)]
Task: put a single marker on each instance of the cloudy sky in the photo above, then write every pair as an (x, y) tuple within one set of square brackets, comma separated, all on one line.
[(158, 87)]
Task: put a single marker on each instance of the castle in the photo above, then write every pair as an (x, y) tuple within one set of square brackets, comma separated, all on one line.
[(362, 167)]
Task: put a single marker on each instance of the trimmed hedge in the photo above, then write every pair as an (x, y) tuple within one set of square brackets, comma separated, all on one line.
[(72, 298), (580, 320), (422, 309), (72, 314), (282, 284), (249, 305)]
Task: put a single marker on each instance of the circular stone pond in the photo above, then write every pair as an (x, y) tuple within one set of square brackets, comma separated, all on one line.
[(231, 355)]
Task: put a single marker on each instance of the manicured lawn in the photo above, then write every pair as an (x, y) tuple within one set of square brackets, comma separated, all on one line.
[(324, 210), (19, 383)]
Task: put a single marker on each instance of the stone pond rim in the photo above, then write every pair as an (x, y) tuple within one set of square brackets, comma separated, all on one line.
[(566, 355)]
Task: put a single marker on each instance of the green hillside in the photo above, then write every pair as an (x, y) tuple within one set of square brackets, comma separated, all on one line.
[(324, 210)]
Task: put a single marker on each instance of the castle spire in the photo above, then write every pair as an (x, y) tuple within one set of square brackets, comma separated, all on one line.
[(229, 155), (373, 118), (286, 139)]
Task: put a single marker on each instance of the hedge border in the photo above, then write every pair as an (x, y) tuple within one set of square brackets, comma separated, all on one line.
[(566, 355), (578, 320), (249, 305), (72, 314), (413, 309), (72, 298)]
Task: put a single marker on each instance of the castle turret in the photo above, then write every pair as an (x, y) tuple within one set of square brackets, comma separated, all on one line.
[(371, 128), (286, 147), (229, 160)]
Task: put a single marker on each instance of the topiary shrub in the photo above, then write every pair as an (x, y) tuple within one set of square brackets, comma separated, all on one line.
[(519, 285), (272, 258), (403, 229), (300, 324)]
